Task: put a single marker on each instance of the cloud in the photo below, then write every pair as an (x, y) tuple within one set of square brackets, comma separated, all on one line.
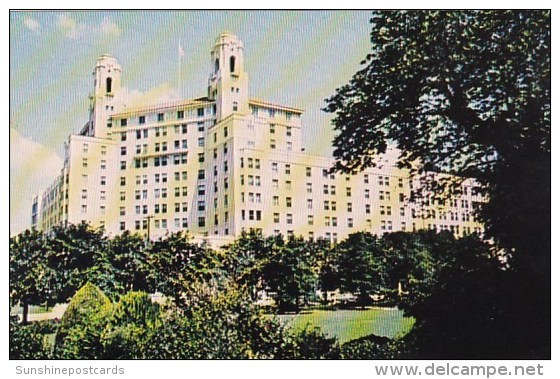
[(33, 167), (71, 28), (108, 27), (162, 94), (32, 24)]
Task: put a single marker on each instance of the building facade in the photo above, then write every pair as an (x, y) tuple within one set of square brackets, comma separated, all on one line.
[(220, 164)]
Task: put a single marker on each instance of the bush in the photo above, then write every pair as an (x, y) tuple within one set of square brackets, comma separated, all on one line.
[(133, 318), (79, 333), (27, 341), (372, 347)]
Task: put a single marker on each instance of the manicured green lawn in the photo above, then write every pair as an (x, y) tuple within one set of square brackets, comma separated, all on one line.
[(347, 325)]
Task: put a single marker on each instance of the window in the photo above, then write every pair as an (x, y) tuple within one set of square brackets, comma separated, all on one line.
[(84, 194), (201, 142), (333, 190), (325, 189), (348, 191), (289, 131), (350, 222), (309, 219), (366, 193), (401, 212), (308, 172), (275, 200), (327, 221), (123, 165), (225, 131), (334, 221), (123, 121), (123, 150), (382, 210), (368, 208), (274, 183), (309, 203), (276, 218), (272, 129), (84, 162), (200, 112), (333, 205), (288, 169), (309, 188), (273, 144), (326, 205), (349, 207), (201, 222), (274, 167), (366, 179), (103, 180), (122, 225), (289, 219), (289, 146), (235, 105), (160, 117), (289, 202), (123, 136), (201, 205), (180, 114), (103, 164)]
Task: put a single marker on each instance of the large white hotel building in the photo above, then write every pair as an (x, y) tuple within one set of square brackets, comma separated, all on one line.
[(223, 163)]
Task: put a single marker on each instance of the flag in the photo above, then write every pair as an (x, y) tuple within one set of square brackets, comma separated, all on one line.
[(181, 51)]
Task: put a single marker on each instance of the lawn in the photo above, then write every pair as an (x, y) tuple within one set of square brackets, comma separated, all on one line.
[(347, 325)]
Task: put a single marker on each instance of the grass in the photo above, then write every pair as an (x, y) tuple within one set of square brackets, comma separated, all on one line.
[(347, 325)]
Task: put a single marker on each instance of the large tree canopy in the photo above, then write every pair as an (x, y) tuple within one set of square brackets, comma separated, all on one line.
[(461, 92), (467, 93)]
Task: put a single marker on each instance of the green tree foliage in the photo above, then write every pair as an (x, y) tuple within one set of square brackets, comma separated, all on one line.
[(467, 93), (373, 347), (247, 258), (176, 264), (215, 324), (29, 274), (288, 274), (127, 256), (134, 317), (360, 265), (27, 341), (79, 332), (76, 256)]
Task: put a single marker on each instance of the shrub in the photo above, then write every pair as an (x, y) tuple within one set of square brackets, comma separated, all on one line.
[(133, 318), (79, 333)]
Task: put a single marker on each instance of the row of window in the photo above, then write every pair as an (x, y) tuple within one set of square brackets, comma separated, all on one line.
[(161, 117)]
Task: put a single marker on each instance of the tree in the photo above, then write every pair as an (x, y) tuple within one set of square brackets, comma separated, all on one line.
[(75, 255), (466, 93), (176, 264), (409, 262), (360, 265), (247, 258), (289, 272), (127, 257), (29, 274)]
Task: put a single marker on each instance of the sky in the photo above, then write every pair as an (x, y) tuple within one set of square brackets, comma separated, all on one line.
[(292, 58)]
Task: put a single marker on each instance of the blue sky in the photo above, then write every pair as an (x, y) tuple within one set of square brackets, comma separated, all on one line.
[(293, 58)]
